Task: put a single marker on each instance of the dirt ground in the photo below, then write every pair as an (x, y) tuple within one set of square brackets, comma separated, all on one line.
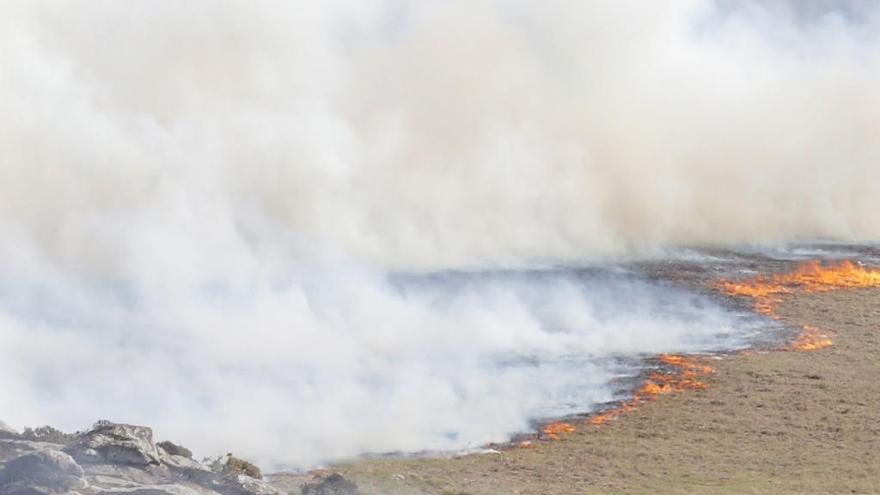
[(778, 422)]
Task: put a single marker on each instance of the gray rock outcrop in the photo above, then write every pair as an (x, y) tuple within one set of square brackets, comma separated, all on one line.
[(44, 471), (121, 459), (113, 443)]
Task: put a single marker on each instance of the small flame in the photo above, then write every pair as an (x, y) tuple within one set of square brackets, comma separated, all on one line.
[(554, 429), (811, 339), (684, 378), (811, 276)]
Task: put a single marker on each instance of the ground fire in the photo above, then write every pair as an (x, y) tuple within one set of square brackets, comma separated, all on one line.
[(683, 372), (813, 276), (679, 373)]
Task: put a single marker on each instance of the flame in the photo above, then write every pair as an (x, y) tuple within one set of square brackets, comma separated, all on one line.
[(811, 339), (767, 293), (554, 429), (687, 369), (812, 276)]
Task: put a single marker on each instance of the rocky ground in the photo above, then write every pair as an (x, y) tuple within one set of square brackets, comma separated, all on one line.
[(119, 459)]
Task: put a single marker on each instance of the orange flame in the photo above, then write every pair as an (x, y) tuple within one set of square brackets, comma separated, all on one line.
[(554, 429), (685, 378), (809, 277), (811, 339)]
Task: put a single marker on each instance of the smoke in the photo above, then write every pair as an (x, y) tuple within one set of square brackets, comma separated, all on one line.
[(308, 367), (200, 204)]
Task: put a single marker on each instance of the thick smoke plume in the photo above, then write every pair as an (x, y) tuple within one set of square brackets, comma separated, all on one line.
[(200, 203)]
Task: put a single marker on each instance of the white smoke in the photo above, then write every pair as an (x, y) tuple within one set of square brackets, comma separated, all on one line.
[(200, 202), (298, 367)]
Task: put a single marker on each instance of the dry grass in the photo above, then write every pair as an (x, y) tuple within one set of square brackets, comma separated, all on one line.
[(777, 423)]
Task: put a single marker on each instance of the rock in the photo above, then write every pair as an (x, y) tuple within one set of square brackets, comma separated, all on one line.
[(172, 448), (245, 485), (117, 459), (114, 443), (151, 490), (108, 476), (7, 431), (180, 462), (230, 475), (334, 484), (11, 448), (42, 471)]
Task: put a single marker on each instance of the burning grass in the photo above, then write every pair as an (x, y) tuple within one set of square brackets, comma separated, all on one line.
[(683, 373), (554, 429), (811, 339), (813, 276), (680, 373)]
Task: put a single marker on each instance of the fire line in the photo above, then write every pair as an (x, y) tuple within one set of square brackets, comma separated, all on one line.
[(809, 277), (767, 293)]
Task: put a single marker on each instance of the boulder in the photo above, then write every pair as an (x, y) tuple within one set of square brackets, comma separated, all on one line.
[(172, 448), (234, 476), (114, 443), (334, 484), (49, 471)]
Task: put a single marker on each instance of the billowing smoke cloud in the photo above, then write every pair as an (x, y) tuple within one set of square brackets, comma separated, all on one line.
[(200, 203)]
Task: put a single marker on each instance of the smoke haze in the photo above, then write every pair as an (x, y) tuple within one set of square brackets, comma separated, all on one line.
[(201, 204)]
